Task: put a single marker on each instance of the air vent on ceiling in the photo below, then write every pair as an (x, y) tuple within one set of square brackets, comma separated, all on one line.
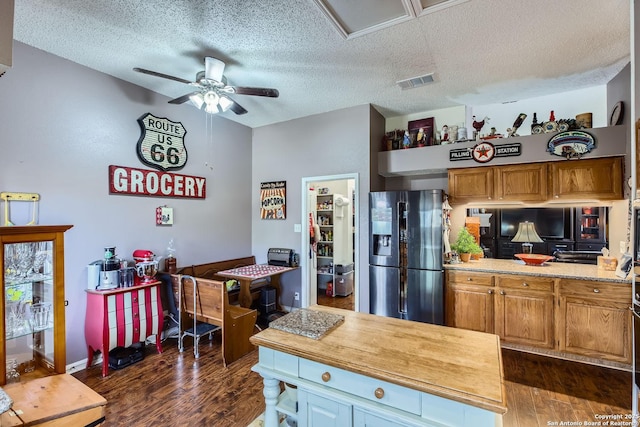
[(415, 81)]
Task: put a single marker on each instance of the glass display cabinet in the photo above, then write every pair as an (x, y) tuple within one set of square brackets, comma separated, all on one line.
[(33, 304)]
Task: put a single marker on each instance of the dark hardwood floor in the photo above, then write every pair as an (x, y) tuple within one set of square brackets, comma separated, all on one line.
[(346, 303), (174, 389)]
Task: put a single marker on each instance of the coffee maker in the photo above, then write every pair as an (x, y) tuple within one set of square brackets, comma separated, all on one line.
[(109, 275)]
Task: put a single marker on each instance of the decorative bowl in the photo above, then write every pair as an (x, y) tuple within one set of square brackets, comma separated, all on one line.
[(534, 259)]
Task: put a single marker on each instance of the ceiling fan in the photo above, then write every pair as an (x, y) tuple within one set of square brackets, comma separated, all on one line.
[(212, 92)]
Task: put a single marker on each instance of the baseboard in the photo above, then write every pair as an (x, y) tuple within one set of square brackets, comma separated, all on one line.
[(82, 364)]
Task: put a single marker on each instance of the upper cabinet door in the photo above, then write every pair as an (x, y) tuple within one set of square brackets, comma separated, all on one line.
[(471, 184), (598, 179), (524, 183)]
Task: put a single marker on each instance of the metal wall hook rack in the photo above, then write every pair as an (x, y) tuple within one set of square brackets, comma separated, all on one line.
[(20, 197)]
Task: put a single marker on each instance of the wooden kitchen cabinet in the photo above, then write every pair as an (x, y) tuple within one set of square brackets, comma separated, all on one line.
[(598, 179), (525, 310), (32, 333), (471, 184), (595, 319), (469, 302), (521, 183)]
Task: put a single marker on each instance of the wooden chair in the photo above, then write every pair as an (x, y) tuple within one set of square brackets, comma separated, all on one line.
[(207, 301)]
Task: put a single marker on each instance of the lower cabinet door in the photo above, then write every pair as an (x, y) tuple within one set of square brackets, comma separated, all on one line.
[(365, 419), (317, 411)]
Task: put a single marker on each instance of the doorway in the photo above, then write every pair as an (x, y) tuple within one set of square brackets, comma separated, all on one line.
[(330, 255)]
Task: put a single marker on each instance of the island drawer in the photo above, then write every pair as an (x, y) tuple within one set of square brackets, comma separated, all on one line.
[(601, 290), (544, 284), (366, 387), (469, 278)]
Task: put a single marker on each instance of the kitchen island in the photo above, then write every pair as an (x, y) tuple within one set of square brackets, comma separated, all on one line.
[(373, 370)]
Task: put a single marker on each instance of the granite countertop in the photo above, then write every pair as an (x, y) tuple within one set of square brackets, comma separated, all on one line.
[(5, 401), (549, 269), (308, 323)]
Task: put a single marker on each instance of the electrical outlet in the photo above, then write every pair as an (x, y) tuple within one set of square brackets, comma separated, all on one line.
[(297, 228), (296, 296), (623, 246)]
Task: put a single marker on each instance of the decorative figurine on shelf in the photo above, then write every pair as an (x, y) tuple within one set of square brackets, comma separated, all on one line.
[(421, 138), (551, 125), (536, 127), (444, 136), (478, 125), (512, 131), (406, 140)]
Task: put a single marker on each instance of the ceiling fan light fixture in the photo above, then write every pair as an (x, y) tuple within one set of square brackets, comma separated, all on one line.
[(197, 100), (213, 69), (225, 103)]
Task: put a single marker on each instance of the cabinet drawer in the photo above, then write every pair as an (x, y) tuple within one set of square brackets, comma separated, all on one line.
[(368, 388), (602, 290), (544, 284), (469, 278)]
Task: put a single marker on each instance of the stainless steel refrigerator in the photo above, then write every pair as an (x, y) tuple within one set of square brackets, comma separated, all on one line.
[(406, 276)]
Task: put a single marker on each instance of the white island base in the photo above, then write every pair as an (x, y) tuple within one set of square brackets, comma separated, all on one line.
[(347, 399), (380, 372)]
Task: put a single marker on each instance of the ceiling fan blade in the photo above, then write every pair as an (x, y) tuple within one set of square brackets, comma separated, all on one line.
[(183, 98), (164, 76), (236, 108), (256, 91)]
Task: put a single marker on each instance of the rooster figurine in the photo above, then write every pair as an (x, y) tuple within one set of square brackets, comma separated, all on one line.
[(478, 125)]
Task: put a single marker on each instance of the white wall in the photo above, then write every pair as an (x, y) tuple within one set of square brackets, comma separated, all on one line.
[(63, 124)]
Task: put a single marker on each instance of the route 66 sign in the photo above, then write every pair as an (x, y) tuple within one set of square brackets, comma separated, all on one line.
[(161, 143)]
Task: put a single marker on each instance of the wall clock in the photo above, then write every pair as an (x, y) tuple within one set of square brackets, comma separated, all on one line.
[(617, 114)]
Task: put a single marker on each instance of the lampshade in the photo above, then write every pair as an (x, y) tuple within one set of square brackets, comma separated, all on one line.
[(211, 102), (526, 233)]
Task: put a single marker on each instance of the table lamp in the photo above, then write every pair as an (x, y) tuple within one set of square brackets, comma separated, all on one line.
[(525, 235)]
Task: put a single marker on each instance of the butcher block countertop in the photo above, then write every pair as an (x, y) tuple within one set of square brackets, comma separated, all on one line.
[(548, 269), (456, 364)]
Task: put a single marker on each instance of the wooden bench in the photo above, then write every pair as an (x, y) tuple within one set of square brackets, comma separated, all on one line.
[(213, 307), (209, 270)]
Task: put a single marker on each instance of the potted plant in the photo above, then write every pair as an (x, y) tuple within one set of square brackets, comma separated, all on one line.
[(466, 245)]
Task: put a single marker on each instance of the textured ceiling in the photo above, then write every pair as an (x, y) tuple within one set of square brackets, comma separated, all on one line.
[(480, 51)]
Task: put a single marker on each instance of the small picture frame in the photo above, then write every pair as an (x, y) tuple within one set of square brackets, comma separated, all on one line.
[(426, 136)]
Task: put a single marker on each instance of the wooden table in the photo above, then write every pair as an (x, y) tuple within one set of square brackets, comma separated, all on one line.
[(384, 370), (59, 400), (251, 273)]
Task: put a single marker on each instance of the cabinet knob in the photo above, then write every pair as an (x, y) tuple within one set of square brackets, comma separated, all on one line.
[(502, 293), (596, 291), (490, 291), (469, 279), (525, 284), (135, 299), (379, 393), (326, 376)]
